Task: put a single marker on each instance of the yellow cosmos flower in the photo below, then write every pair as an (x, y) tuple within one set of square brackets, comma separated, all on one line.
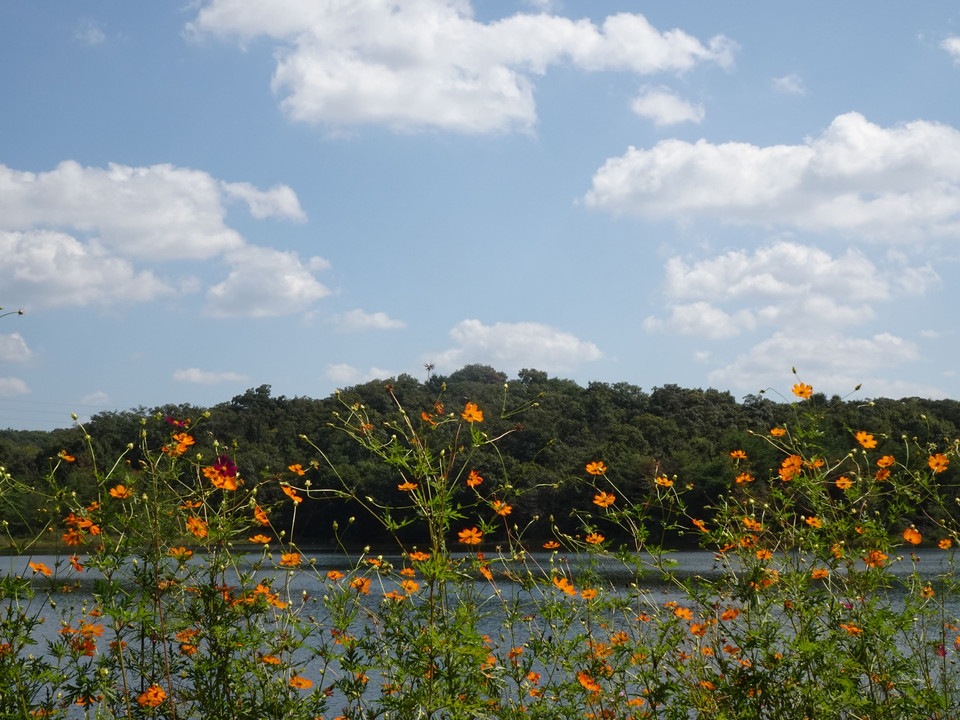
[(802, 390)]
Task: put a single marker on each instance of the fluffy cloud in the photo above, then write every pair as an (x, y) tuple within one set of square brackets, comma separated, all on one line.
[(72, 236), (264, 283), (952, 46), (413, 65), (789, 85), (13, 348), (833, 363), (897, 184), (345, 374), (89, 33), (52, 269), (778, 283), (207, 377), (663, 107), (360, 321), (10, 386), (513, 346)]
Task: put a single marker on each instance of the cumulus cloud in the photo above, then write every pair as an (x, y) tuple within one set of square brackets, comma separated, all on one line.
[(663, 107), (897, 184), (345, 374), (13, 348), (52, 269), (77, 235), (740, 290), (360, 321), (833, 363), (952, 46), (11, 386), (789, 85), (431, 64), (512, 346), (207, 377), (264, 282)]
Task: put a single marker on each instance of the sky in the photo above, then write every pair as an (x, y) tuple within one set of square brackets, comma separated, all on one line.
[(197, 198)]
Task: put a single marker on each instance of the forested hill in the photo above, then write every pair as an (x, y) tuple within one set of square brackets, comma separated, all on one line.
[(669, 430)]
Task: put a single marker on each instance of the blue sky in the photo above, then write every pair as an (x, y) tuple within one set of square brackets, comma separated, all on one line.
[(203, 197)]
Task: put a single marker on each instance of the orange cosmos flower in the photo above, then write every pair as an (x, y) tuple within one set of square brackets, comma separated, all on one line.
[(75, 562), (604, 499), (886, 461), (912, 536), (819, 573), (851, 629), (334, 575), (471, 536), (419, 556), (866, 440), (64, 456), (802, 390), (683, 613), (563, 584), (428, 418), (778, 432), (813, 522), (361, 584), (927, 592), (181, 553), (882, 474), (152, 697), (551, 545), (764, 554), (699, 524), (220, 480), (290, 559), (501, 508), (743, 478), (197, 526), (121, 492), (843, 482), (40, 568), (407, 486), (270, 660), (300, 682), (596, 468), (730, 614), (790, 467), (297, 469), (938, 463), (410, 586), (474, 479), (663, 481), (945, 544), (738, 455), (292, 494), (874, 558), (588, 682), (258, 538), (588, 594), (472, 413), (594, 538), (260, 515)]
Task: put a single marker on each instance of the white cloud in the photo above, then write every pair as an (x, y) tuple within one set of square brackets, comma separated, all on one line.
[(89, 33), (898, 184), (952, 46), (279, 201), (345, 374), (513, 346), (360, 321), (832, 363), (160, 212), (51, 269), (789, 85), (98, 398), (702, 320), (13, 348), (207, 377), (10, 386), (664, 107), (430, 64), (264, 283)]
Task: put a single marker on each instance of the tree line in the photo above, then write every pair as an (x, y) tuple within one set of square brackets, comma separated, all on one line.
[(553, 427)]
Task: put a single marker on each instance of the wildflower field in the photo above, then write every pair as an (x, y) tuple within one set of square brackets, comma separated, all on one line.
[(820, 603)]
